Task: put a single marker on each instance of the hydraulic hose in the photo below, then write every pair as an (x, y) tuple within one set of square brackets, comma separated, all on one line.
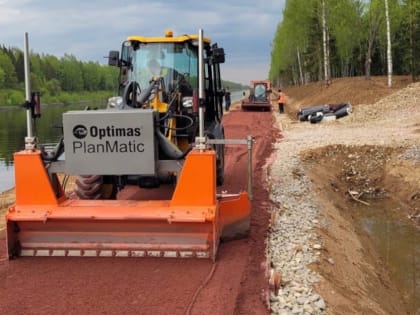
[(131, 88), (145, 94)]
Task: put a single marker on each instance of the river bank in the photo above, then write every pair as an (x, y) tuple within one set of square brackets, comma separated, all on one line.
[(7, 198)]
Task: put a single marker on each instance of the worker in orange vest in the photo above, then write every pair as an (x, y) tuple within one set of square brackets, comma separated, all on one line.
[(281, 101)]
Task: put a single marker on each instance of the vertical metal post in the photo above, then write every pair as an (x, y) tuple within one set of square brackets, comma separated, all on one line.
[(29, 139), (250, 141), (200, 141)]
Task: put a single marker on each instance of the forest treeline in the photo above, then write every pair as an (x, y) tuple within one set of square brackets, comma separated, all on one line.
[(59, 80), (323, 39)]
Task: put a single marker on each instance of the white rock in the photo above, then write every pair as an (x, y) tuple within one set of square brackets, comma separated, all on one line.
[(317, 246), (320, 304)]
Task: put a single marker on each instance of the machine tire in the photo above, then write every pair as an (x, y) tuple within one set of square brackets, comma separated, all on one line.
[(220, 162), (217, 132), (129, 95), (92, 187), (220, 169)]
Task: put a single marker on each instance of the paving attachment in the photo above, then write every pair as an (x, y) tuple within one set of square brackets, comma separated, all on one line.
[(45, 222)]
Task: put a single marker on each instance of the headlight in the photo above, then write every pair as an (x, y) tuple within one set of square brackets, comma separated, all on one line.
[(115, 102), (187, 102)]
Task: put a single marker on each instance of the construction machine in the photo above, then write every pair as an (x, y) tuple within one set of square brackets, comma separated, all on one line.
[(163, 128), (259, 96)]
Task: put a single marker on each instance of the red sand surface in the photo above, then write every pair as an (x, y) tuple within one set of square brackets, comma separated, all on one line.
[(235, 284)]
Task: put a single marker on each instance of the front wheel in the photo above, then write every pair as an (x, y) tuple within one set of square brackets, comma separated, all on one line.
[(220, 169), (217, 132), (93, 187), (220, 163)]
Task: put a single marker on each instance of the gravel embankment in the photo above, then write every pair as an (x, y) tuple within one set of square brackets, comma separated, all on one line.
[(293, 243)]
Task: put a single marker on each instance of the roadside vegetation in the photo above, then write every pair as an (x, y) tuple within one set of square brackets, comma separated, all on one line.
[(318, 40), (59, 80)]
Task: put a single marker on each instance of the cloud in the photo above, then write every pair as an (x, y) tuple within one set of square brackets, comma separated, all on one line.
[(89, 29)]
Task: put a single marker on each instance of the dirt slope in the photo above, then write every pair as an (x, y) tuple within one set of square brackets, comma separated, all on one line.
[(357, 90), (334, 175)]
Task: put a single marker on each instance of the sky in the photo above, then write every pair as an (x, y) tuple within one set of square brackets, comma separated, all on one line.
[(90, 29)]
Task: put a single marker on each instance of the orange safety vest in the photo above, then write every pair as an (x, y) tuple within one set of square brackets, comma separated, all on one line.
[(282, 98)]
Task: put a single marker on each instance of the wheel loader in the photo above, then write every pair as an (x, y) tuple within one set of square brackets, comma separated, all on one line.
[(259, 96), (162, 129)]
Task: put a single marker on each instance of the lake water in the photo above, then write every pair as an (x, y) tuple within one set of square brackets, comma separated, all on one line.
[(13, 132)]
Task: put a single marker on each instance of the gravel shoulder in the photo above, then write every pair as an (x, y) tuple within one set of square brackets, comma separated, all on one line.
[(326, 266)]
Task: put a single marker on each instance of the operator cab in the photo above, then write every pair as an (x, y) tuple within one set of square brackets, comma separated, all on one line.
[(175, 63), (169, 66), (260, 92)]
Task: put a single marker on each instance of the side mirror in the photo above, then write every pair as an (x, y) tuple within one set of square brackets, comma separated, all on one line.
[(114, 58), (218, 55)]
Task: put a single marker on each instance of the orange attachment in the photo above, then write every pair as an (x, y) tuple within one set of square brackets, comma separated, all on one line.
[(33, 185), (44, 222)]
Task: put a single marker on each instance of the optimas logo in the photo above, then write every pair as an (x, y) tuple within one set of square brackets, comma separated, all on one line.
[(80, 131)]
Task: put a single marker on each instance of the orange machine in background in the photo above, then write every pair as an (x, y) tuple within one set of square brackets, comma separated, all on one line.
[(259, 96)]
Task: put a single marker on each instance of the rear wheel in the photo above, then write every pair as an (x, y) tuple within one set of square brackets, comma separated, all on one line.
[(92, 187)]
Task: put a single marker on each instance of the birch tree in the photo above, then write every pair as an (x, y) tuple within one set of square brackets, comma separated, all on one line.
[(300, 66), (388, 51), (325, 43)]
